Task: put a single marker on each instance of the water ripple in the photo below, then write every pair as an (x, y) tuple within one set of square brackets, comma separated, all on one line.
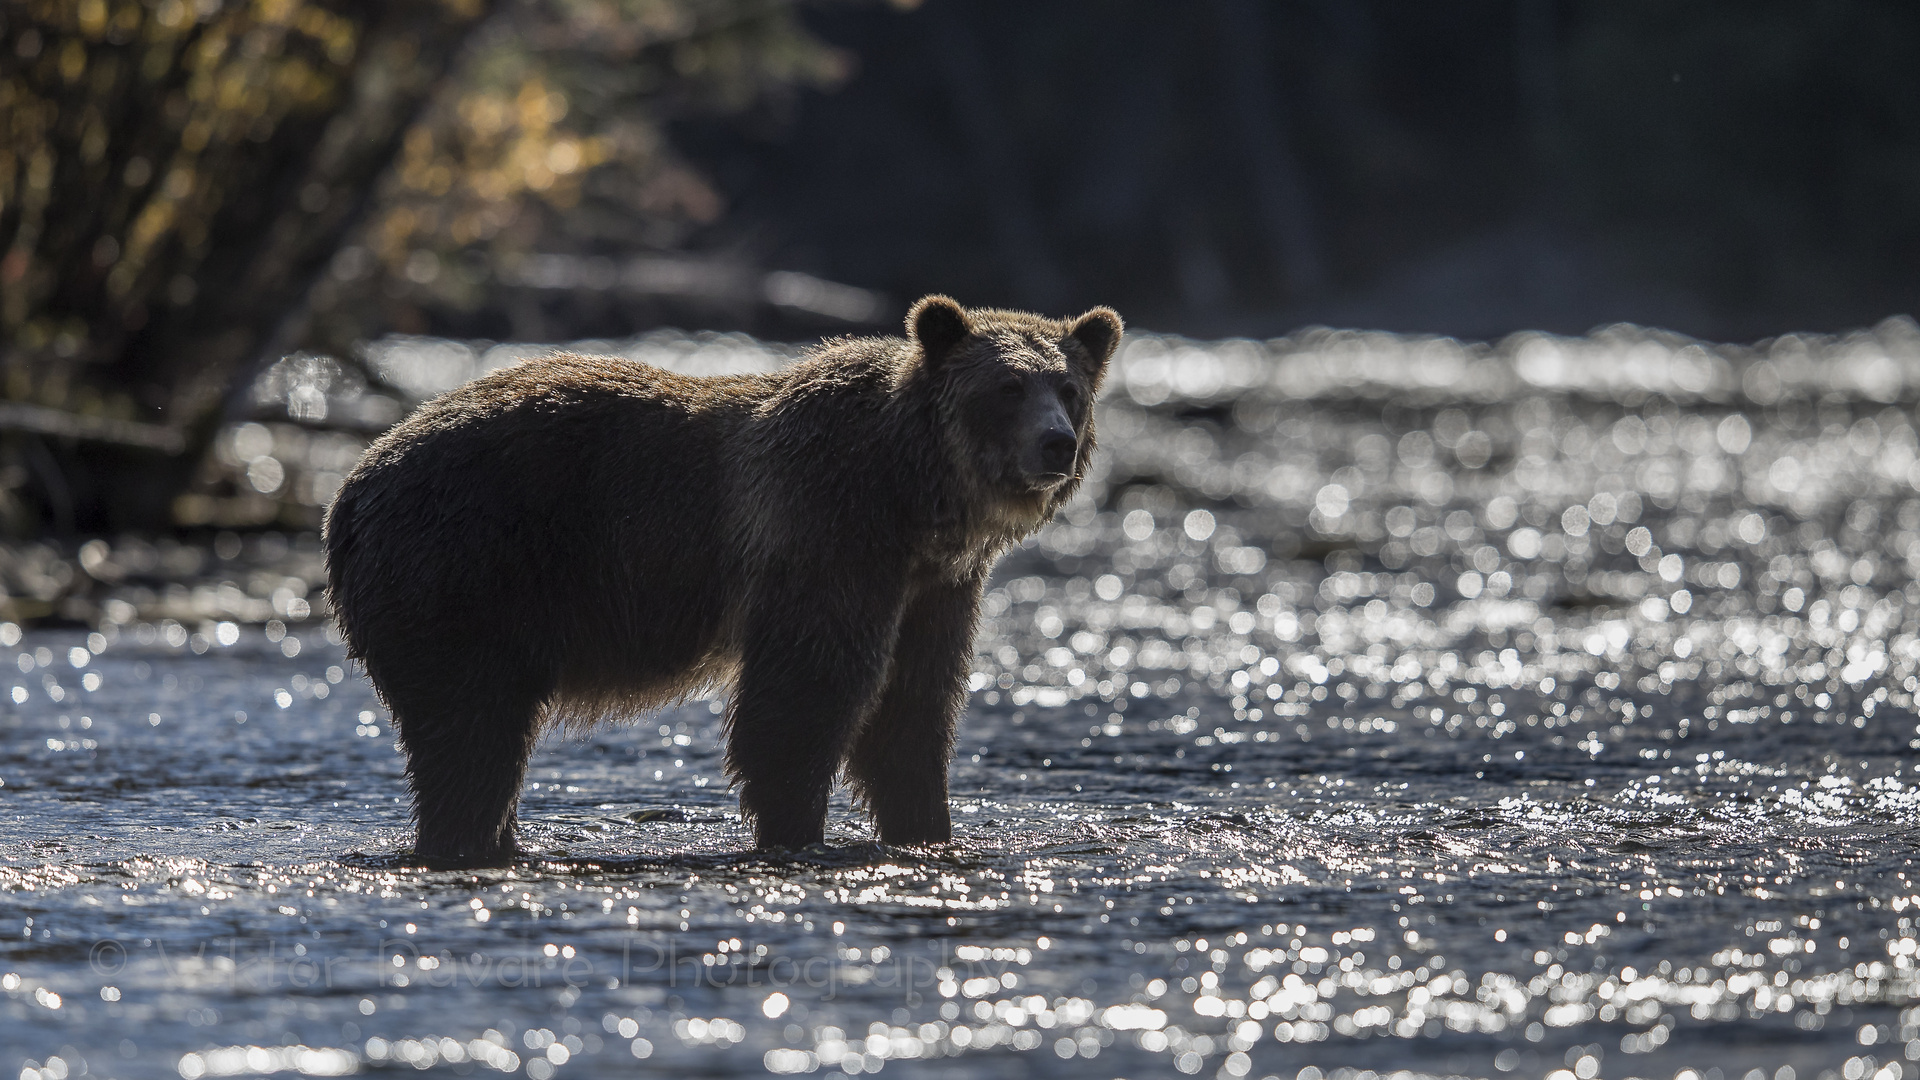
[(1385, 707)]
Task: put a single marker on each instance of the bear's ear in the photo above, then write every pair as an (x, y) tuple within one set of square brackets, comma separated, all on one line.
[(1098, 331), (938, 324)]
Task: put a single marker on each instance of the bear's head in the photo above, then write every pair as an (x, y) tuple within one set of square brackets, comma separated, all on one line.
[(1018, 394)]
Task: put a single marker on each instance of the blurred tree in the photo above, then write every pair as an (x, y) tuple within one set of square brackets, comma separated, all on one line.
[(551, 141), (190, 189), (172, 175)]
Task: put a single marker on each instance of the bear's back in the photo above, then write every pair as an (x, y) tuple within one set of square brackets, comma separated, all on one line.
[(539, 433), (562, 484)]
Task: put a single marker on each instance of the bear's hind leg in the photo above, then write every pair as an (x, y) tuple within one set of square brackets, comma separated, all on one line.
[(465, 763), (900, 759)]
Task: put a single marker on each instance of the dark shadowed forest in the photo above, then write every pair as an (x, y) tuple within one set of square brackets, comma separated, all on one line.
[(1229, 167)]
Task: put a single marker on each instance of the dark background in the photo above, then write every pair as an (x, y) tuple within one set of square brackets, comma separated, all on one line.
[(1729, 170)]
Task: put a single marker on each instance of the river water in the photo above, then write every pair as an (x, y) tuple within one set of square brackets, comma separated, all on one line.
[(1387, 707)]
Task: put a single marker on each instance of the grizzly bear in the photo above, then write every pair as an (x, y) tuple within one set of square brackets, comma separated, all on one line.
[(582, 537)]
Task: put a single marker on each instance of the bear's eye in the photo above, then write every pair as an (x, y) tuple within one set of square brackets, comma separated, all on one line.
[(1070, 395), (1011, 388)]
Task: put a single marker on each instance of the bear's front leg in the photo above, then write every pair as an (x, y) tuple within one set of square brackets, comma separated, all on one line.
[(816, 648), (900, 759)]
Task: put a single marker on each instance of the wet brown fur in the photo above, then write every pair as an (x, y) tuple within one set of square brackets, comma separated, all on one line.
[(579, 538)]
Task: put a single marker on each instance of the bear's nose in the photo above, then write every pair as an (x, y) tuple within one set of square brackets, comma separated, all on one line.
[(1056, 451)]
